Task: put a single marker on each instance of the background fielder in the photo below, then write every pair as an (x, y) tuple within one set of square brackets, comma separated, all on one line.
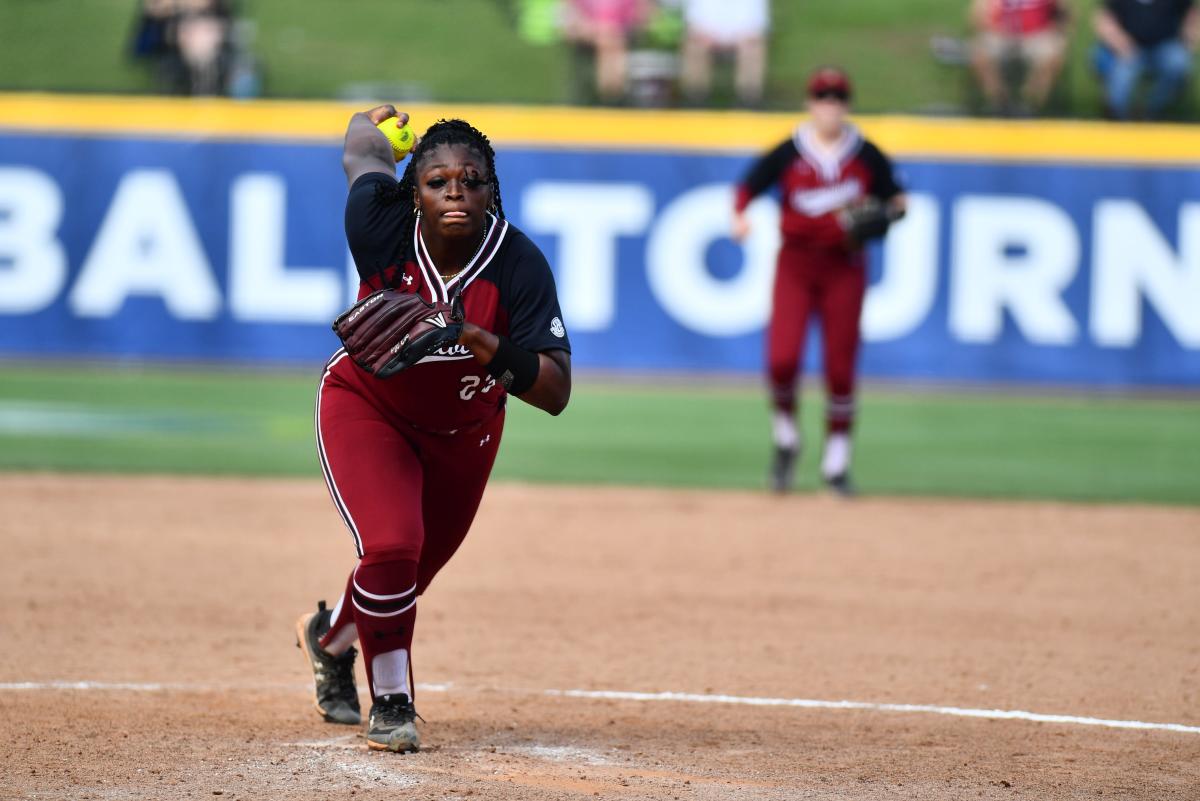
[(838, 190)]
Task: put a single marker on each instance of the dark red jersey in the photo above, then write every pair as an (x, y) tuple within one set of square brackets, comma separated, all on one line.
[(816, 184), (507, 289)]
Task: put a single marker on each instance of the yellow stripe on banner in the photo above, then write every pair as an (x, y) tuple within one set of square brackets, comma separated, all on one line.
[(696, 131)]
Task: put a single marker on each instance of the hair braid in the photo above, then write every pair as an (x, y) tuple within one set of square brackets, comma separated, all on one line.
[(442, 132)]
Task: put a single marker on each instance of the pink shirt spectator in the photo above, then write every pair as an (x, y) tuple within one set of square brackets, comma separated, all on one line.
[(621, 14)]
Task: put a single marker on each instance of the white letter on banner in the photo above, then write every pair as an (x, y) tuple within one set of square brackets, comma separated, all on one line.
[(262, 288), (147, 245), (680, 280), (1132, 259), (33, 262), (1014, 253), (587, 218), (900, 302)]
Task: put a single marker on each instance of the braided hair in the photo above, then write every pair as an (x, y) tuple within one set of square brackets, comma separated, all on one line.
[(442, 132)]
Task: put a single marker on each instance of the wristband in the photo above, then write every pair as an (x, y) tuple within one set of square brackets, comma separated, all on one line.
[(513, 367)]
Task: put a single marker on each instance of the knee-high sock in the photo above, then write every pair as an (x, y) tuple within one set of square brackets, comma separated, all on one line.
[(383, 593), (839, 414)]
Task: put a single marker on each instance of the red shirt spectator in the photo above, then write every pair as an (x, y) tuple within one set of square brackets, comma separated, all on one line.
[(1022, 17), (1030, 31)]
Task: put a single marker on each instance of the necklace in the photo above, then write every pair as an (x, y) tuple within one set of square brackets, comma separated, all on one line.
[(487, 224)]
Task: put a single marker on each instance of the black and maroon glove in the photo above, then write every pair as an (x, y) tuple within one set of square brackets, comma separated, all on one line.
[(866, 220), (389, 331)]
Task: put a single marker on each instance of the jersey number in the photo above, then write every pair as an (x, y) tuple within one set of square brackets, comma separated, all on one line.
[(471, 384)]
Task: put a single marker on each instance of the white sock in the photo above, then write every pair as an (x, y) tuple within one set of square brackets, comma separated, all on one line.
[(390, 673), (783, 430), (837, 455), (347, 636), (341, 643)]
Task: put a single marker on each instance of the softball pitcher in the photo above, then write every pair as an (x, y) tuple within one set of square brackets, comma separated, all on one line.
[(457, 311)]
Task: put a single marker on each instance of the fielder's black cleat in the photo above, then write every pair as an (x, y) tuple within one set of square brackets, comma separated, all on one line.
[(783, 469), (335, 697), (392, 725), (841, 485)]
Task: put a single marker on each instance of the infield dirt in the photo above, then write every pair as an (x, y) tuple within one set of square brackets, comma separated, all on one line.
[(174, 599)]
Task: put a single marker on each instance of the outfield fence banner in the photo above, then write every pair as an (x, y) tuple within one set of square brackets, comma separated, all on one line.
[(1010, 266)]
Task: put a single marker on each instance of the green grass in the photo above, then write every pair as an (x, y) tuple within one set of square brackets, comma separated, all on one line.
[(469, 50), (920, 442)]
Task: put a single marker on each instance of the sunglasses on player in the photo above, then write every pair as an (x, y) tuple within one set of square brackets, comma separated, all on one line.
[(839, 95)]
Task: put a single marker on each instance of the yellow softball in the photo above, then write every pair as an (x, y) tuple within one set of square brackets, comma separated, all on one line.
[(402, 139)]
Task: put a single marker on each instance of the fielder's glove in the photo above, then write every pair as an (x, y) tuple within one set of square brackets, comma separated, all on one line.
[(389, 331), (866, 220)]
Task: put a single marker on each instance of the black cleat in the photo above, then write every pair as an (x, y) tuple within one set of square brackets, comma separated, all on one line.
[(783, 469), (336, 697), (841, 485), (392, 725)]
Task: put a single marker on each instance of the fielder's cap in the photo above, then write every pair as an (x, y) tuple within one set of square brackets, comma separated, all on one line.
[(830, 82)]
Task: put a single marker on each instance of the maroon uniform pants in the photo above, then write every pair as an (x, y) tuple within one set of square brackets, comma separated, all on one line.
[(408, 497), (829, 284)]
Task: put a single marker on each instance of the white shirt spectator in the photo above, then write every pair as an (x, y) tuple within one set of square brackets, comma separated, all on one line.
[(727, 22)]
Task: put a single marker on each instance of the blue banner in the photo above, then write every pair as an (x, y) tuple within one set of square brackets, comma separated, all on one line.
[(218, 250)]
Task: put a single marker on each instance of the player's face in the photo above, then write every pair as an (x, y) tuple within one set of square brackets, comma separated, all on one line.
[(828, 113), (454, 192)]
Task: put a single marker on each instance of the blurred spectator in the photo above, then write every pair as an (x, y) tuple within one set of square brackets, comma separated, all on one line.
[(716, 26), (188, 42), (1155, 38), (203, 28), (653, 74), (604, 27), (1028, 32), (150, 34), (153, 41), (243, 70)]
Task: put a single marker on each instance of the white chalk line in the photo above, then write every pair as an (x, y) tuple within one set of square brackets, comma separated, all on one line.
[(810, 703), (177, 686), (145, 687), (669, 697)]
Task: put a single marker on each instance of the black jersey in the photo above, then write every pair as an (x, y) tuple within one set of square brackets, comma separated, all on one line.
[(507, 288), (1151, 22)]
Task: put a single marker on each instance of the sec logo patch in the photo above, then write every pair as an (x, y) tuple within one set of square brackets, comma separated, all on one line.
[(556, 328)]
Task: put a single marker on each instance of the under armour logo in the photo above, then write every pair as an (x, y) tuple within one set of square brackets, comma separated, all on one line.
[(485, 440), (379, 635)]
